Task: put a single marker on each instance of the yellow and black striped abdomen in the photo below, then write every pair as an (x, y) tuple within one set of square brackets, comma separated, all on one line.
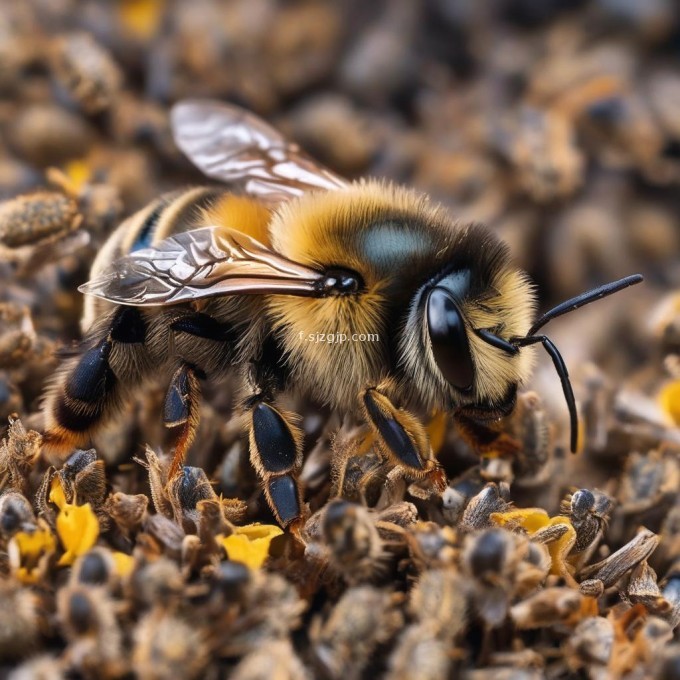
[(171, 214), (125, 347)]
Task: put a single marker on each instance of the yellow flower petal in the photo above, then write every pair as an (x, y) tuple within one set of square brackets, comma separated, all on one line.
[(560, 548), (78, 531), (141, 17), (26, 550), (78, 172), (533, 519), (124, 563), (669, 400), (57, 495), (250, 544), (530, 519)]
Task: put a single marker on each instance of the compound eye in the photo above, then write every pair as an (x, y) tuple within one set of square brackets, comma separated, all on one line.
[(449, 339)]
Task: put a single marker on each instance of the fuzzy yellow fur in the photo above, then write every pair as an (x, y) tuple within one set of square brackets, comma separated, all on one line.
[(306, 230), (318, 230), (324, 229), (239, 212)]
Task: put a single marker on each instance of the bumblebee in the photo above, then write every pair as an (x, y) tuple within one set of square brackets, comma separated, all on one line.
[(205, 283)]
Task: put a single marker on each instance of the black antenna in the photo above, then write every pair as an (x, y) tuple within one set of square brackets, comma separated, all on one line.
[(531, 339), (561, 368), (585, 299)]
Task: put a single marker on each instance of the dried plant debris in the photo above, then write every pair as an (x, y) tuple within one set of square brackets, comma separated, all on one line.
[(521, 561)]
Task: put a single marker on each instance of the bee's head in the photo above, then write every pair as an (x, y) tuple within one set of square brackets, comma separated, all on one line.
[(477, 341), (441, 348)]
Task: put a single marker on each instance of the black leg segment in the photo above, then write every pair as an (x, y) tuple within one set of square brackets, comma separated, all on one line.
[(393, 434), (176, 405), (181, 410), (92, 377), (204, 326), (282, 493), (128, 326), (274, 440)]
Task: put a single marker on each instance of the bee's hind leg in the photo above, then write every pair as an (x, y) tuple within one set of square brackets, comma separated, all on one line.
[(403, 438), (90, 388), (181, 412)]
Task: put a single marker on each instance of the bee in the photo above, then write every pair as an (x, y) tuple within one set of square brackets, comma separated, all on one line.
[(204, 283)]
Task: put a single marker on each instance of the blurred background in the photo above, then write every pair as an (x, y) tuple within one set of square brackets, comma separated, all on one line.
[(556, 122)]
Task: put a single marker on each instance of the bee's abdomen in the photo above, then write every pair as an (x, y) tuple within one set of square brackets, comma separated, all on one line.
[(126, 346), (170, 214), (173, 213)]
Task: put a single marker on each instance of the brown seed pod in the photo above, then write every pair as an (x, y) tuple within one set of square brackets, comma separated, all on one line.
[(548, 607), (18, 453), (166, 646), (499, 565), (589, 513), (349, 539), (530, 426), (643, 589), (611, 569), (363, 618), (417, 654), (86, 70), (46, 134), (32, 218), (88, 622), (277, 660), (188, 488), (271, 604), (16, 514), (158, 479), (431, 545), (438, 601), (18, 338), (477, 514), (127, 511), (20, 626), (83, 478), (590, 645), (153, 583)]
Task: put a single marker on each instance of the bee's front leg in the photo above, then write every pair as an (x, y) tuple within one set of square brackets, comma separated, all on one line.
[(402, 437)]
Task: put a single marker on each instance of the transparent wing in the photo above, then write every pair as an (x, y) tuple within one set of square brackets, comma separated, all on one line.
[(235, 146), (201, 263)]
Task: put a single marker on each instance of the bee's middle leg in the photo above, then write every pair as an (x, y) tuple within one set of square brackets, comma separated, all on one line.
[(403, 437), (276, 454), (203, 346), (181, 412), (275, 442)]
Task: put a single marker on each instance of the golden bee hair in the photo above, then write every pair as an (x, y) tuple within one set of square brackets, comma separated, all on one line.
[(401, 244)]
